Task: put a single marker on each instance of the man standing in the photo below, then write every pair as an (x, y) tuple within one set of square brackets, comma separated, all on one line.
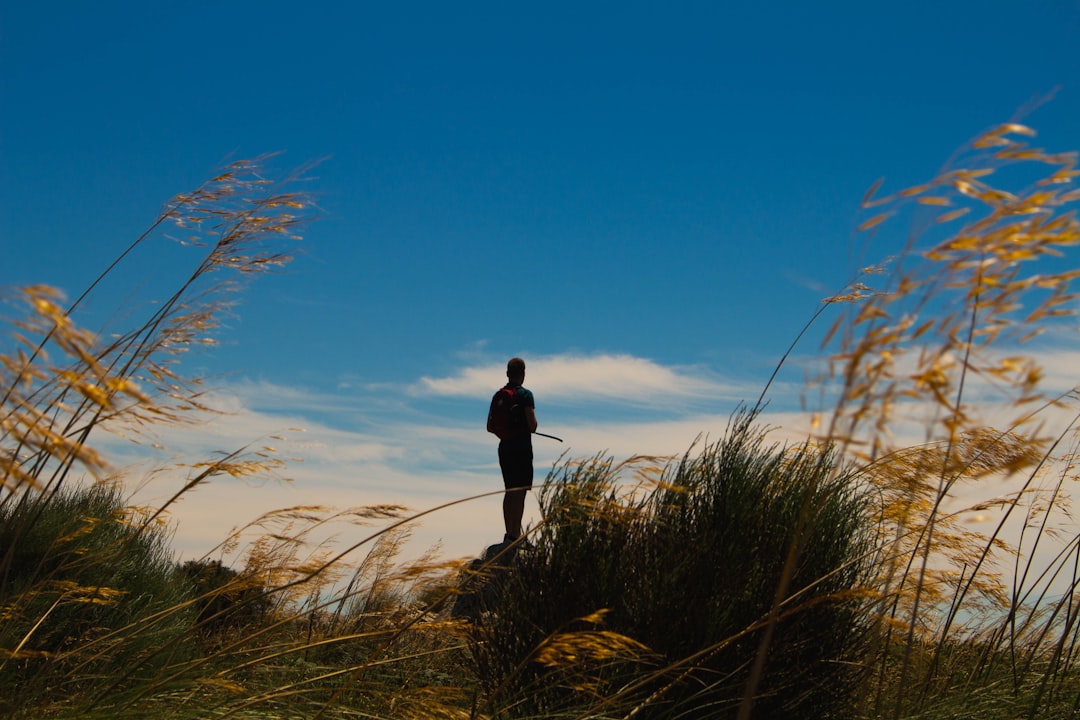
[(512, 417)]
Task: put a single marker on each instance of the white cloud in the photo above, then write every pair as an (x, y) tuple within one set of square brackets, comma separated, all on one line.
[(617, 378)]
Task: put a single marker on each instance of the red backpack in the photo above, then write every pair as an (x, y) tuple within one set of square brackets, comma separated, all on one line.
[(505, 417)]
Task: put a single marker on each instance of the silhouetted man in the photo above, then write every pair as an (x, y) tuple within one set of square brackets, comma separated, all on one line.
[(512, 417)]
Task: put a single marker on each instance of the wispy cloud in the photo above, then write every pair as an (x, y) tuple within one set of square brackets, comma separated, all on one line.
[(619, 379)]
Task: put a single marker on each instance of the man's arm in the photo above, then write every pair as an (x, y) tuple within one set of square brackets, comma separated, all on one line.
[(530, 419)]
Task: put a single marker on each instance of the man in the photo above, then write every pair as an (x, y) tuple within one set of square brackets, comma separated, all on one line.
[(512, 417)]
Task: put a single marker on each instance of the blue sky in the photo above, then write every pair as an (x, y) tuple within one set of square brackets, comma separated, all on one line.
[(645, 200)]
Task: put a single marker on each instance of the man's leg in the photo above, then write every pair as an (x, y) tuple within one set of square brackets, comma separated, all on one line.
[(513, 510), (517, 469)]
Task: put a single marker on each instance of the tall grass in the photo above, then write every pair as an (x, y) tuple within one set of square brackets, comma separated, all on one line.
[(88, 583), (96, 620), (840, 576), (76, 570), (664, 592), (933, 393), (935, 408)]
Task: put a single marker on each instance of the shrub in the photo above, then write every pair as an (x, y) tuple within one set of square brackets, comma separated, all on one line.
[(225, 598), (664, 600)]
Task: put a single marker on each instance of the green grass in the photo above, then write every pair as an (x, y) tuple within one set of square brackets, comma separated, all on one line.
[(85, 596)]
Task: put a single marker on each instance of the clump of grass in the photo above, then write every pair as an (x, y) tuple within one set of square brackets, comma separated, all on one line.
[(86, 595), (666, 594)]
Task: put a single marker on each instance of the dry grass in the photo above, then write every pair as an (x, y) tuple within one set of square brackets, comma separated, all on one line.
[(934, 403), (300, 629), (932, 390)]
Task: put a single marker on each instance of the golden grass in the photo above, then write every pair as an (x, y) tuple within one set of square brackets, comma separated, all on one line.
[(932, 388), (932, 392)]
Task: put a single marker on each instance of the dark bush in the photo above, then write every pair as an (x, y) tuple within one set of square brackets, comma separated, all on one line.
[(224, 598), (691, 569)]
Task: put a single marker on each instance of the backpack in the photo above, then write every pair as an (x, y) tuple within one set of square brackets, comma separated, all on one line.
[(505, 416)]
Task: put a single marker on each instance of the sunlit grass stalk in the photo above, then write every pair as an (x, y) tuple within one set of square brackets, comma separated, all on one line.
[(981, 265)]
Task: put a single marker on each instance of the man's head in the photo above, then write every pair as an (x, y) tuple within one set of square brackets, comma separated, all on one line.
[(515, 370)]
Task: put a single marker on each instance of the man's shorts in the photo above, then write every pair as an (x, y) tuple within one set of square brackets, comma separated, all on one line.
[(516, 463)]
